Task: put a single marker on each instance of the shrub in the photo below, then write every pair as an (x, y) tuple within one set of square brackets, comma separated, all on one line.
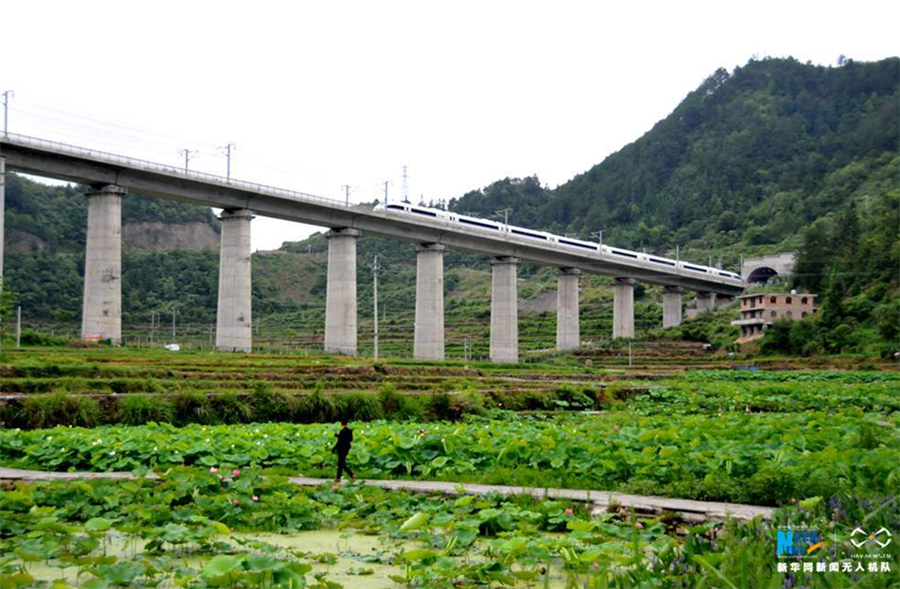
[(140, 409), (569, 398), (192, 407), (358, 407), (267, 405), (32, 338), (316, 408), (397, 406), (42, 411), (231, 407), (467, 401), (439, 407)]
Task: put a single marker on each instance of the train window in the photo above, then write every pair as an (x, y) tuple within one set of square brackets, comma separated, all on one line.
[(426, 213), (624, 254), (694, 268), (576, 244), (395, 207), (478, 224), (661, 261), (528, 234)]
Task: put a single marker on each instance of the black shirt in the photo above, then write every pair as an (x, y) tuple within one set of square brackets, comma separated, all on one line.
[(344, 438)]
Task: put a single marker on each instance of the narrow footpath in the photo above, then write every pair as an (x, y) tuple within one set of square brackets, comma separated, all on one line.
[(603, 501)]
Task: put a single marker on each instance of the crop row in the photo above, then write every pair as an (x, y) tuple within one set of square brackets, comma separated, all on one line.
[(757, 458), (265, 405)]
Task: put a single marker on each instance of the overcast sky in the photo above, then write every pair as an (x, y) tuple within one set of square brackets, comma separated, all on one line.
[(318, 95)]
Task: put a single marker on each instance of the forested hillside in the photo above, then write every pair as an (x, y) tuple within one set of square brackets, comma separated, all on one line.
[(747, 158)]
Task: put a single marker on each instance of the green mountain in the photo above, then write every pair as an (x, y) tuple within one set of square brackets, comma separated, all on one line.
[(749, 158), (775, 156)]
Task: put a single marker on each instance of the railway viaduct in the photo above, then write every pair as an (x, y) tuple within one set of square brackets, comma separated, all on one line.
[(110, 176)]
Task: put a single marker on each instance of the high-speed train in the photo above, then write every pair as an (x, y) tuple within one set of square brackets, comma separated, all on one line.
[(489, 225)]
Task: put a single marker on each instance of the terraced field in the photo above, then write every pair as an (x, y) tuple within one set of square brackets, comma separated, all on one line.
[(221, 432)]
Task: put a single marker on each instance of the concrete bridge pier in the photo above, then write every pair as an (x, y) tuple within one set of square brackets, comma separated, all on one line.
[(623, 307), (429, 331), (340, 293), (705, 301), (568, 336), (234, 320), (672, 306), (101, 316), (504, 310)]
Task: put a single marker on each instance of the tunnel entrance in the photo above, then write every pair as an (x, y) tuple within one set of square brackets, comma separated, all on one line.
[(761, 274)]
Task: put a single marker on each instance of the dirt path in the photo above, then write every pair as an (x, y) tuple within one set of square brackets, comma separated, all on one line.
[(603, 501)]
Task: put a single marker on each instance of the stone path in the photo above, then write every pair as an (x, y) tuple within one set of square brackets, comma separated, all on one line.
[(603, 501)]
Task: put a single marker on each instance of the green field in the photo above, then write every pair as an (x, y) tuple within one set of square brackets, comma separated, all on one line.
[(222, 432)]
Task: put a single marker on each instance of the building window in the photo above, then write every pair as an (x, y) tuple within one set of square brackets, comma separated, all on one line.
[(788, 300), (774, 313), (804, 301), (804, 314), (773, 299), (790, 313)]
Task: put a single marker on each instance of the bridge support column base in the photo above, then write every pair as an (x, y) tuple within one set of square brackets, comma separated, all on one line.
[(101, 317), (429, 330), (340, 294), (568, 336), (504, 310), (623, 308), (705, 301), (234, 319), (672, 306)]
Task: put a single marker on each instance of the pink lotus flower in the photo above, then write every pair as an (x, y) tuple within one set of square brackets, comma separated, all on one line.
[(639, 526), (334, 487), (256, 497), (213, 469), (235, 472), (569, 511), (236, 501)]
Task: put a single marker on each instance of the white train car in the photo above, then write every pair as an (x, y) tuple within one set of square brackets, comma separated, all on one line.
[(543, 236)]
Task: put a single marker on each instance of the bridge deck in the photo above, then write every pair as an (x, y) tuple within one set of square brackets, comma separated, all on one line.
[(85, 166)]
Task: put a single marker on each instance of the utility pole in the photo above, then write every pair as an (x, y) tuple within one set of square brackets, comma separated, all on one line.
[(677, 254), (173, 324), (346, 188), (598, 235), (405, 189), (386, 184), (188, 156), (228, 148), (505, 212), (7, 94), (152, 326), (19, 326), (375, 268)]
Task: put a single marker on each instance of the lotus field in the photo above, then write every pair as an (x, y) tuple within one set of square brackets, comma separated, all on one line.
[(218, 509)]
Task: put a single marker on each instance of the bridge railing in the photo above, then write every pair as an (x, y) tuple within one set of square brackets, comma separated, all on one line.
[(141, 164)]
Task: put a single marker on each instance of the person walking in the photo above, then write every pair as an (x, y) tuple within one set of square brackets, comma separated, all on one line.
[(342, 448)]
